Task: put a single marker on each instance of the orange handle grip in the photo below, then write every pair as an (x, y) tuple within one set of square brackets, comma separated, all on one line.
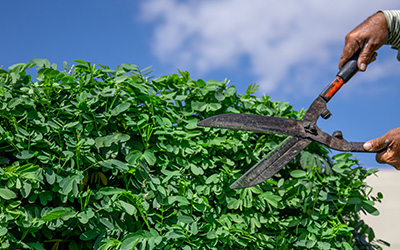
[(344, 75)]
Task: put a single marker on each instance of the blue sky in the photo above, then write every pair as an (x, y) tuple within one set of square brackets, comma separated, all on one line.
[(290, 48)]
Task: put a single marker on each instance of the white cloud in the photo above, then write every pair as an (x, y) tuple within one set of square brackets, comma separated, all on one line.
[(275, 36)]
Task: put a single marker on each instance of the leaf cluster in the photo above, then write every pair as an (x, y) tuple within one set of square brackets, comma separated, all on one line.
[(95, 158)]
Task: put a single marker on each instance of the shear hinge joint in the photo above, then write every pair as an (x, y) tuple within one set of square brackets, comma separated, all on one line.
[(311, 128)]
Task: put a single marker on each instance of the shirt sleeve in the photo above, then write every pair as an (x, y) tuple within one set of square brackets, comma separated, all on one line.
[(393, 23)]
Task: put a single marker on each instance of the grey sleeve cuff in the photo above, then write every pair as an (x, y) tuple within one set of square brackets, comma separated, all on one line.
[(393, 23)]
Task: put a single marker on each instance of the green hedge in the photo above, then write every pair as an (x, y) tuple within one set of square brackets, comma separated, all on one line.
[(94, 158)]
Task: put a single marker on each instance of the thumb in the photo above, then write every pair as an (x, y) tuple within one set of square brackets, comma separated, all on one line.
[(376, 144)]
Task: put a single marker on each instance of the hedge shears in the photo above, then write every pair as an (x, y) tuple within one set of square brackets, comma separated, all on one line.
[(300, 132)]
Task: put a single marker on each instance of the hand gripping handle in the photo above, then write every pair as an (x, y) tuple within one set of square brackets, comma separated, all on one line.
[(344, 75)]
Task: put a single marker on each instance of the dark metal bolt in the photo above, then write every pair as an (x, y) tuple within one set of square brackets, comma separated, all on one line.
[(326, 114), (338, 134)]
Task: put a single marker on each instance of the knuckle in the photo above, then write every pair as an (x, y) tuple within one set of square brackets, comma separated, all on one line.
[(379, 159), (394, 133), (350, 36), (390, 157)]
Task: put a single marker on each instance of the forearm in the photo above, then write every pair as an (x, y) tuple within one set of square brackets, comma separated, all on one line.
[(393, 23)]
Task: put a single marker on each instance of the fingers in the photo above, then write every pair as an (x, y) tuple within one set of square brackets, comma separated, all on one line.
[(373, 57), (367, 56), (351, 46), (389, 156), (346, 55), (388, 147)]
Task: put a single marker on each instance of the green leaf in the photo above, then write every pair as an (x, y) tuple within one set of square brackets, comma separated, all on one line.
[(234, 204), (182, 201), (117, 164), (14, 102), (213, 106), (110, 190), (3, 231), (354, 200), (89, 235), (133, 157), (26, 154), (129, 208), (130, 242), (199, 106), (120, 79), (271, 198), (67, 184), (212, 179), (85, 216), (4, 160), (370, 209), (149, 157), (185, 219), (7, 194), (53, 214), (324, 245), (73, 245), (50, 176), (80, 61), (35, 246), (192, 123), (107, 141), (194, 228), (298, 173), (175, 235), (120, 108), (196, 170), (346, 246), (71, 125), (231, 91)]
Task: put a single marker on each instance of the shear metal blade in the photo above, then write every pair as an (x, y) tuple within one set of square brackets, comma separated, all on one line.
[(255, 123), (272, 163)]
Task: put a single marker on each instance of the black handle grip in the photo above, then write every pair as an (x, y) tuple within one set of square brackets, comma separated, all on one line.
[(350, 68), (344, 75)]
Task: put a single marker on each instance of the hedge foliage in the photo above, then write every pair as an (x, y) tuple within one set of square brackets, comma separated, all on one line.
[(95, 158)]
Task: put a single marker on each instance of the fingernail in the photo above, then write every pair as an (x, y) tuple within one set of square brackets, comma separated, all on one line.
[(387, 142), (367, 146), (363, 67)]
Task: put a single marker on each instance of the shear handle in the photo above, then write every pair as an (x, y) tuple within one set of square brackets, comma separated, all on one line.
[(344, 75), (357, 147)]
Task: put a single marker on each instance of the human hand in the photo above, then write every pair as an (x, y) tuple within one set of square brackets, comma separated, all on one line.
[(388, 147), (369, 36)]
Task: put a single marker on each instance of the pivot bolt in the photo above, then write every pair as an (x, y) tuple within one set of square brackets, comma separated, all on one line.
[(311, 128)]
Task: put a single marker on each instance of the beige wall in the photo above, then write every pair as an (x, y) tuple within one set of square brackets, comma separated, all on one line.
[(387, 225)]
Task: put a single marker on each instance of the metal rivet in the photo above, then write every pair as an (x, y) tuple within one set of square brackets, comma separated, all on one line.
[(338, 134)]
